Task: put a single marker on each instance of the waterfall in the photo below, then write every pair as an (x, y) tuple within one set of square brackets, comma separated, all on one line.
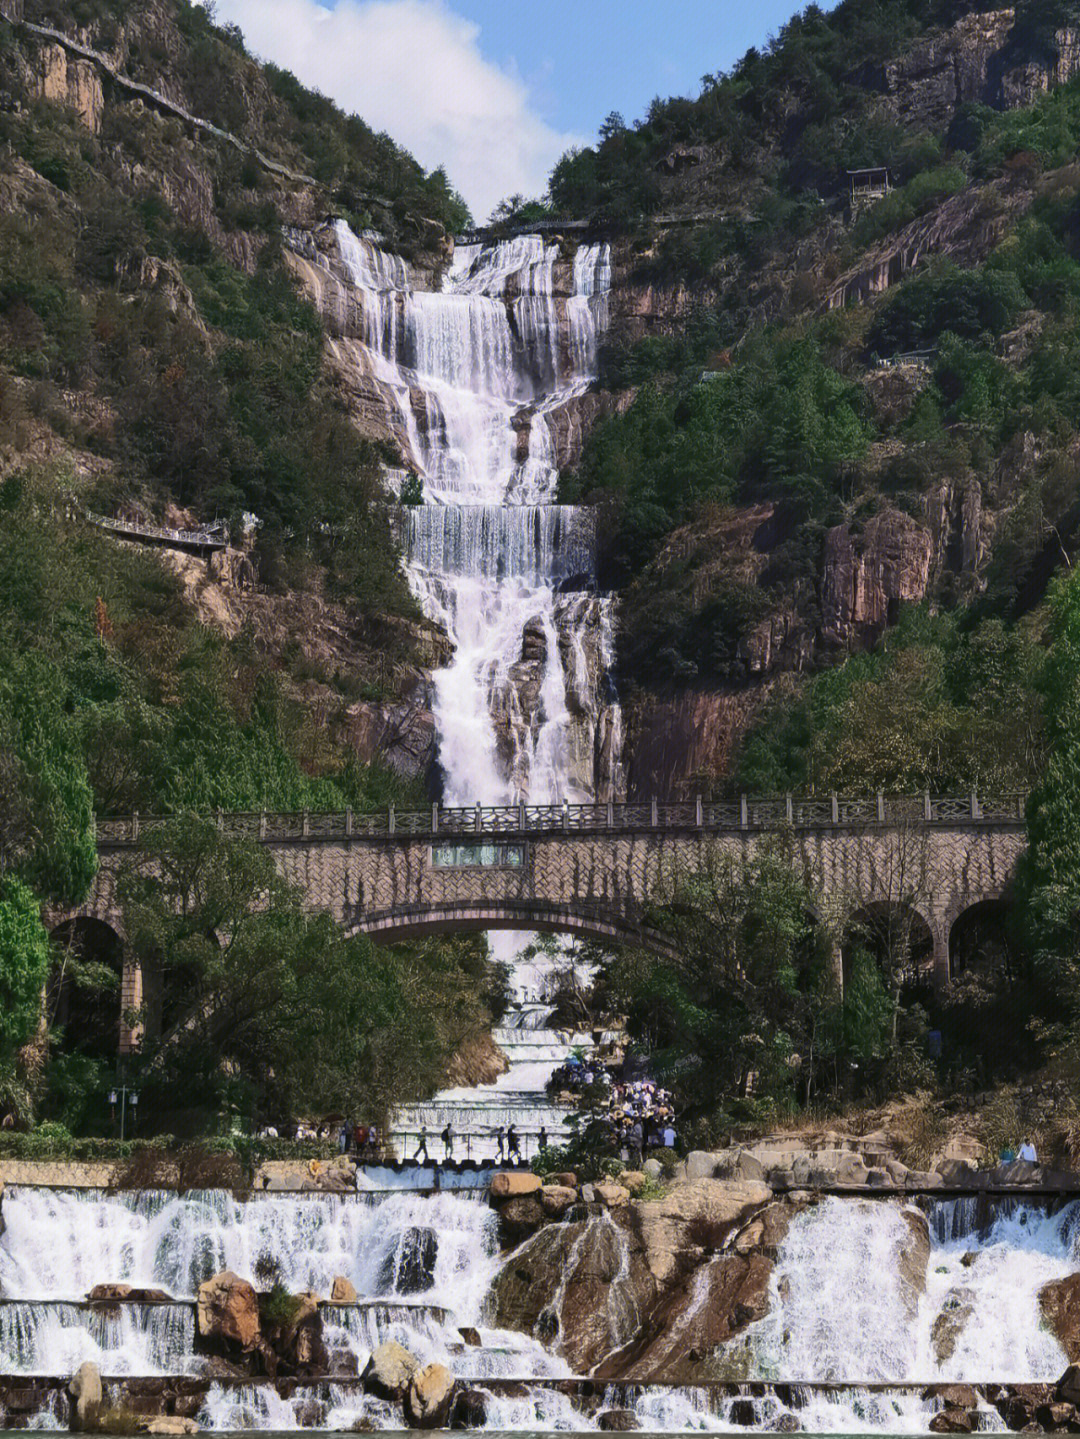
[(844, 1306), (525, 709)]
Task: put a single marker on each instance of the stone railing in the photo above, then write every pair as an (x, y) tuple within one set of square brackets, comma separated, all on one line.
[(745, 813)]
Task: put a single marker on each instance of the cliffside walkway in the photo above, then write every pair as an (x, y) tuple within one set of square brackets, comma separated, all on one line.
[(197, 540), (162, 102)]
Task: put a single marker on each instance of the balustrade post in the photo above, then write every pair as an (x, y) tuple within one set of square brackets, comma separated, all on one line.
[(305, 824), (610, 815), (478, 818), (1021, 801), (880, 808), (435, 818), (522, 817), (655, 813), (699, 812), (566, 814), (928, 808), (789, 810), (835, 808), (135, 827), (975, 811), (744, 814), (348, 820), (221, 819), (391, 819), (262, 824)]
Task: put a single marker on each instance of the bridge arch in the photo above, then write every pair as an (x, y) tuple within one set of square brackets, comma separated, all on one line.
[(979, 939), (897, 935), (91, 1015), (389, 926)]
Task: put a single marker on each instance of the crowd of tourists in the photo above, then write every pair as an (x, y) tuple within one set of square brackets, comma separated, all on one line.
[(638, 1113), (642, 1118)]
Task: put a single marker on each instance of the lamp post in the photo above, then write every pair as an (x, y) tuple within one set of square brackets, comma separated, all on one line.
[(126, 1096)]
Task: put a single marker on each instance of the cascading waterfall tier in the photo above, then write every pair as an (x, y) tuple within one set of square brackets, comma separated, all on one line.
[(847, 1345), (472, 374)]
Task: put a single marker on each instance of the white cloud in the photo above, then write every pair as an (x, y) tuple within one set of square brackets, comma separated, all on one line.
[(414, 69)]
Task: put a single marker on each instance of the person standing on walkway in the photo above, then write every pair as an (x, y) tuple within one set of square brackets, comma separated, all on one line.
[(500, 1141), (542, 1141), (344, 1136), (421, 1148), (448, 1142), (513, 1144)]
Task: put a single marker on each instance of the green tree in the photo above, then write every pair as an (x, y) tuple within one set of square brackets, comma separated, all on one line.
[(24, 965), (1049, 879)]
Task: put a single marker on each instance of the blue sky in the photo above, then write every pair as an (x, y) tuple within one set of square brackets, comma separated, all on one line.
[(582, 59), (497, 91)]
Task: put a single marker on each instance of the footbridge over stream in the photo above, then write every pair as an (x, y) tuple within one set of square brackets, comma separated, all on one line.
[(593, 869)]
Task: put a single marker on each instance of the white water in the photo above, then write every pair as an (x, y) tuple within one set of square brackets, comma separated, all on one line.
[(840, 1309), (525, 709)]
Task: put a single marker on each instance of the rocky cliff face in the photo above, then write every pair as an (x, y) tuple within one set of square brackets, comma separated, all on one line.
[(978, 60)]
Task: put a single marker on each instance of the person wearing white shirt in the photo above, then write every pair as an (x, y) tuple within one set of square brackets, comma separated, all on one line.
[(1027, 1153)]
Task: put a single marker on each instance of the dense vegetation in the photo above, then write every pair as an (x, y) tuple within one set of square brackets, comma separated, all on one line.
[(766, 422), (365, 174), (157, 358)]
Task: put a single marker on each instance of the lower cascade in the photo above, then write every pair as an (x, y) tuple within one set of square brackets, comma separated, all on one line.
[(852, 1314)]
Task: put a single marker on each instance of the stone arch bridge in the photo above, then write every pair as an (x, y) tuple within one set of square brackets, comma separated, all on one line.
[(591, 869)]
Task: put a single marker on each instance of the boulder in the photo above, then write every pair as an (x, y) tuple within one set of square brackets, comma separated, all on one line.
[(556, 1199), (850, 1172), (85, 1390), (228, 1311), (953, 1420), (171, 1424), (101, 1293), (959, 1174), (692, 1216), (1057, 1419), (700, 1164), (1059, 1302), (913, 1257), (410, 1267), (957, 1396), (920, 1179), (521, 1216), (513, 1184), (429, 1398), (297, 1342), (342, 1291), (1067, 1390), (784, 1424), (389, 1370), (957, 1309), (470, 1410), (471, 1336), (565, 1180), (611, 1195), (653, 1168), (617, 1421), (633, 1180)]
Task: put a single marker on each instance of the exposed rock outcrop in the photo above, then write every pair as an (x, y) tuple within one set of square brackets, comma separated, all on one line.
[(866, 576), (73, 82), (1059, 1302), (228, 1312), (693, 1217), (478, 1060)]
